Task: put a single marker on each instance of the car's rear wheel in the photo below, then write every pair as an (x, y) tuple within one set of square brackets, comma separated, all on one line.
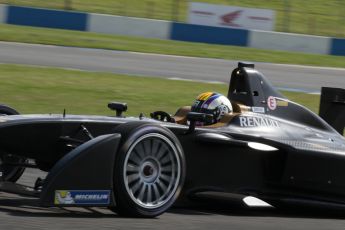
[(149, 170), (9, 169)]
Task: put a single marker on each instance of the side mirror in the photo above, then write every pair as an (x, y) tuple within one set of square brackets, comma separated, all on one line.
[(118, 107), (193, 117)]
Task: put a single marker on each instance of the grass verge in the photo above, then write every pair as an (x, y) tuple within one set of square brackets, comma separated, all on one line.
[(50, 90)]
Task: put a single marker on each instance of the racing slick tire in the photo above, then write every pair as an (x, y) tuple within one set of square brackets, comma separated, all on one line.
[(9, 172), (149, 170)]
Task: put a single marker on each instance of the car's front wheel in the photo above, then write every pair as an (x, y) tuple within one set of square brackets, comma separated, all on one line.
[(149, 170)]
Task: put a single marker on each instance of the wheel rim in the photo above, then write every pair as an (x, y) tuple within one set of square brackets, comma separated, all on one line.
[(152, 170)]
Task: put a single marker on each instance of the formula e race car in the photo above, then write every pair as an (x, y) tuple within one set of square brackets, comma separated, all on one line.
[(268, 147)]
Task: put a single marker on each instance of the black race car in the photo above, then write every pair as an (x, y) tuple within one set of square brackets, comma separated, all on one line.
[(268, 147)]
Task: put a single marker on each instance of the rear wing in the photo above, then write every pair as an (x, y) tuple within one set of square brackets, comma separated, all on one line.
[(332, 107)]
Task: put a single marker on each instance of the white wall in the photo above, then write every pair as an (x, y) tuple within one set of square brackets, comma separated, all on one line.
[(3, 13), (149, 28), (289, 42)]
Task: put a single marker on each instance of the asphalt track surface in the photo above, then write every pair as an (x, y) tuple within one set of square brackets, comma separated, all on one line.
[(292, 77), (17, 212)]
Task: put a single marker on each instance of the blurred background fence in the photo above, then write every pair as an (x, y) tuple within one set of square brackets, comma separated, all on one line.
[(318, 17)]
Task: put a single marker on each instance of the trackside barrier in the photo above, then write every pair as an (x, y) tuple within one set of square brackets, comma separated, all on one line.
[(208, 34), (289, 42), (338, 47), (149, 28), (169, 30), (46, 18), (3, 13)]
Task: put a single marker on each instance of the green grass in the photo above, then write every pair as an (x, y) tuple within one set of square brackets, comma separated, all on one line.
[(311, 101), (50, 90), (93, 40), (309, 16)]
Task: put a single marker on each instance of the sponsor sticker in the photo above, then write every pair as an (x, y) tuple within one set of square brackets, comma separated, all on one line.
[(257, 122), (271, 103), (258, 109), (78, 197)]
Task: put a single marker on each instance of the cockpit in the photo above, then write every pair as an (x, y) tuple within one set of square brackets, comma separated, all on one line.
[(248, 88)]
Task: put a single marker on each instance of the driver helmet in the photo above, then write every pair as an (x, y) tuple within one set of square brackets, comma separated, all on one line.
[(212, 103)]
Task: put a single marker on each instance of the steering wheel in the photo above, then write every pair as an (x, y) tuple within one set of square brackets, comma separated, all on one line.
[(162, 116)]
